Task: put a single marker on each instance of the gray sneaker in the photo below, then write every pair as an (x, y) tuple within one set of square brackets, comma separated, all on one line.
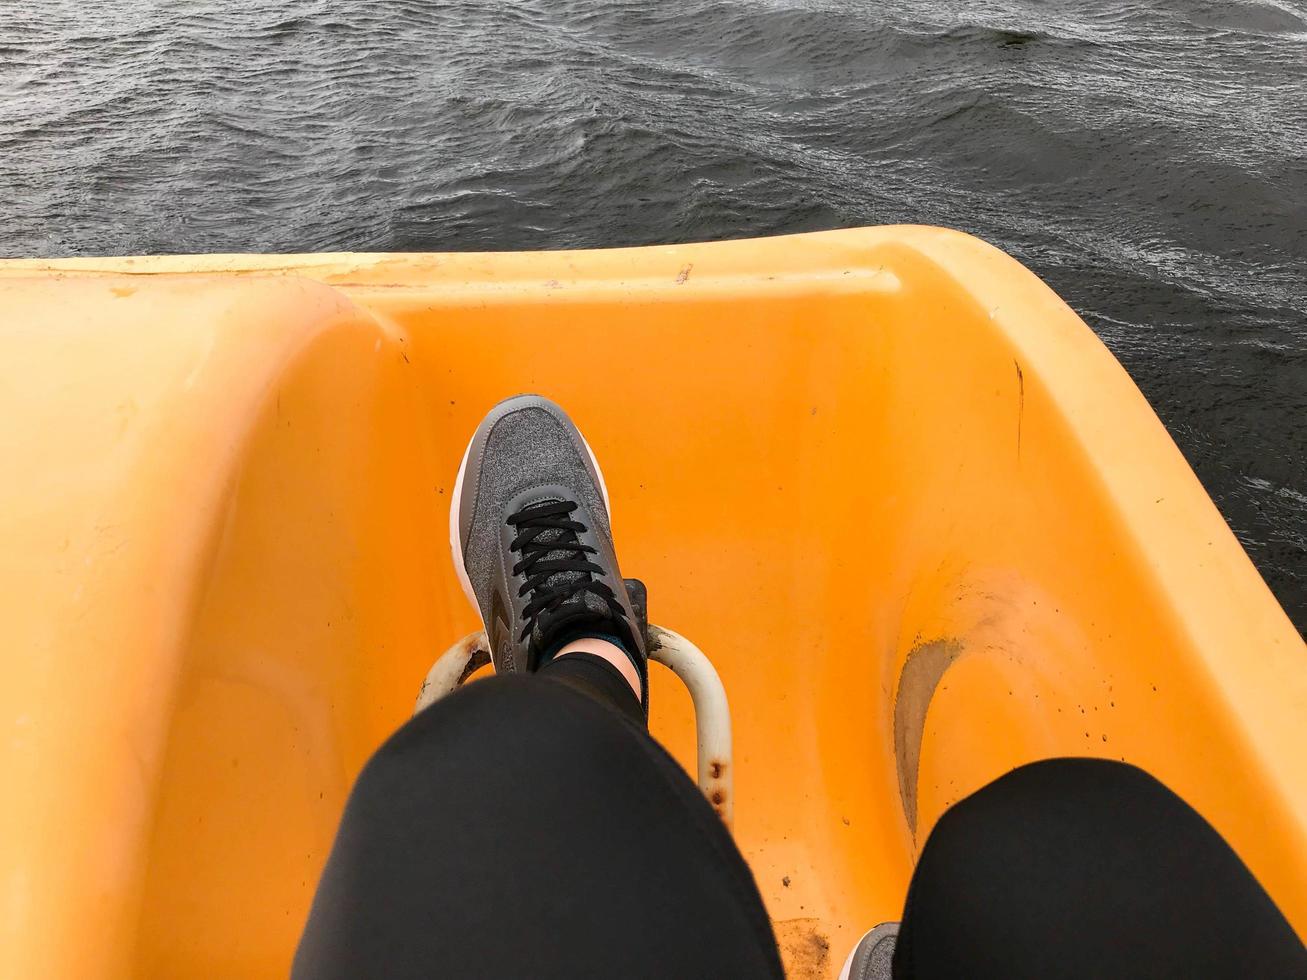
[(873, 957), (528, 527)]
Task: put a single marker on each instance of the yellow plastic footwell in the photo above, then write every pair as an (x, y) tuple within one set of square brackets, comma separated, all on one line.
[(923, 523)]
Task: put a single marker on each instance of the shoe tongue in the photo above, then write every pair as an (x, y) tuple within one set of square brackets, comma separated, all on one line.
[(584, 611), (584, 606), (564, 539), (577, 616)]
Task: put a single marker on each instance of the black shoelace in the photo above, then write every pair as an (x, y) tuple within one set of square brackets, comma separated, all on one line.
[(554, 562)]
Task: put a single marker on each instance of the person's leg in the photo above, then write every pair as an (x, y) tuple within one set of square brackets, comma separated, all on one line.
[(528, 825), (523, 827), (598, 676), (1086, 868)]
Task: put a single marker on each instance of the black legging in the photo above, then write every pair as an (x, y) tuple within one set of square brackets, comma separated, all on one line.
[(522, 828)]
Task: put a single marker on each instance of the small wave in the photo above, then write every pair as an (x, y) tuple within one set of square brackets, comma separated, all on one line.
[(1251, 17)]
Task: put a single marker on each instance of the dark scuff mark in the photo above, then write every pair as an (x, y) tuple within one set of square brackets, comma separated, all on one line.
[(684, 274), (921, 674), (1021, 403)]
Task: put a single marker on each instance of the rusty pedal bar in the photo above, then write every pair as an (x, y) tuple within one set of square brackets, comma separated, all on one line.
[(712, 714)]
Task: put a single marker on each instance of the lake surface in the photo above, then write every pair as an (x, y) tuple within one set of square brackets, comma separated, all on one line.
[(1148, 159)]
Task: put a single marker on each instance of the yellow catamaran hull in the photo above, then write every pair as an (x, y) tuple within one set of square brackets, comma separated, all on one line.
[(918, 516)]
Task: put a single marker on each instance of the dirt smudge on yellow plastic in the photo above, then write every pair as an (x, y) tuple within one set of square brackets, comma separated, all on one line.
[(925, 665), (1021, 403), (805, 949)]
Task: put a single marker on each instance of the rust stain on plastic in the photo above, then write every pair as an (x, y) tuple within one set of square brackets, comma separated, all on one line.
[(805, 948)]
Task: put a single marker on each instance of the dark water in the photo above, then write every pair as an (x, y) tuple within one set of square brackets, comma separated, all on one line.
[(1148, 159)]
